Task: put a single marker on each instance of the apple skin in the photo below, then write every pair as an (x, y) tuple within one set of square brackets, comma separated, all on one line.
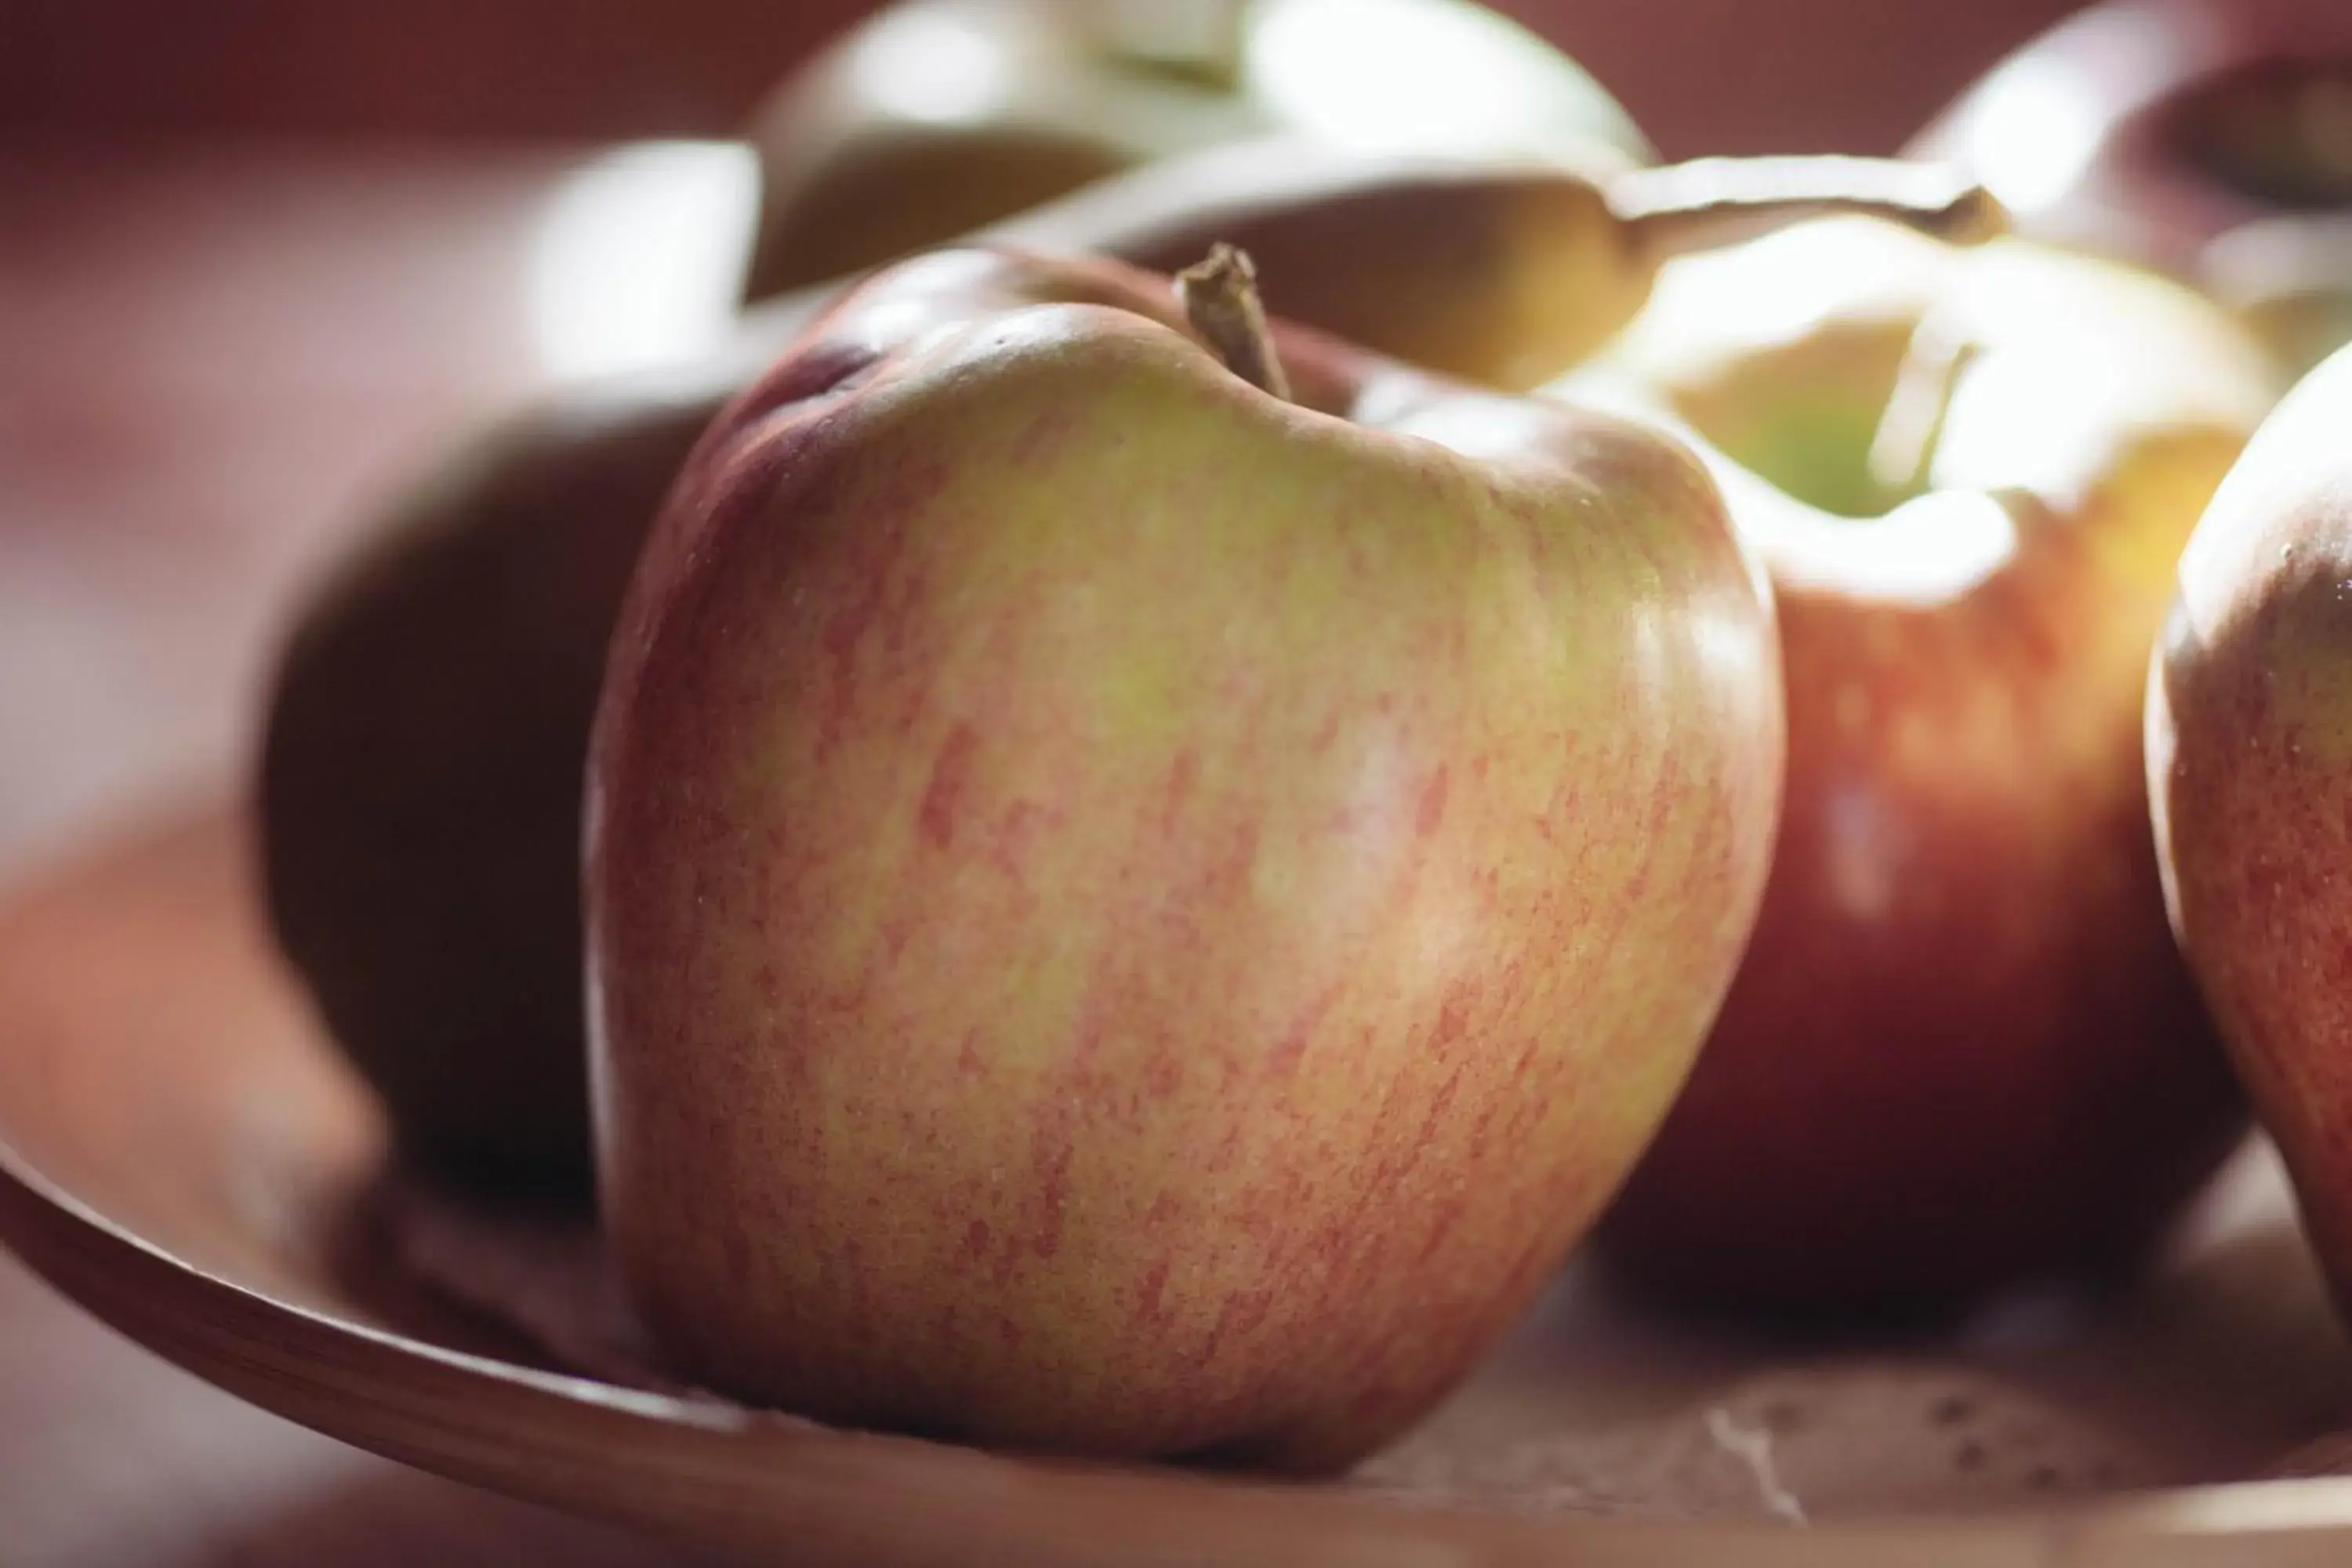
[(1961, 1050), (2248, 734), (1131, 917)]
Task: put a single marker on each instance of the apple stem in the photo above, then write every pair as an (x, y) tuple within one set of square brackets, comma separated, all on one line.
[(1903, 449), (1709, 202), (1221, 300)]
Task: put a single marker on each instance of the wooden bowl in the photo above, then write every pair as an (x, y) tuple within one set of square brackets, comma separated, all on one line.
[(183, 1155)]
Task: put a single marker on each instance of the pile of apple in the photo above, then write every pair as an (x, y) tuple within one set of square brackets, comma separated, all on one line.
[(1147, 869)]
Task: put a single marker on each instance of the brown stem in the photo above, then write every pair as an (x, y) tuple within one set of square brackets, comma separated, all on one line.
[(1220, 299), (1713, 202)]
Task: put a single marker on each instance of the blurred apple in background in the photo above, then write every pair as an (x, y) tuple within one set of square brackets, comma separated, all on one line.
[(939, 115), (1961, 1049), (2212, 138), (418, 786)]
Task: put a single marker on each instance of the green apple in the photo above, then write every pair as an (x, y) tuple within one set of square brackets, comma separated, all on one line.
[(1133, 915), (2248, 738), (1961, 1049)]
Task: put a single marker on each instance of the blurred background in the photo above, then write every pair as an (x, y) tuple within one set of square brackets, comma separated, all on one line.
[(261, 258), (1699, 75)]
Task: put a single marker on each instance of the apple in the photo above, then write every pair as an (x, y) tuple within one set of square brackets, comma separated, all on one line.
[(2249, 733), (1961, 1050), (1134, 915), (934, 116), (2212, 138), (418, 786)]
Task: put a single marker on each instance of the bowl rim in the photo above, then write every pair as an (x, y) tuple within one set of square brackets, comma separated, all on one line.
[(727, 1475)]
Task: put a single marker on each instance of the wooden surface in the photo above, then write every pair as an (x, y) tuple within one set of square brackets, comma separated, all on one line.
[(209, 360)]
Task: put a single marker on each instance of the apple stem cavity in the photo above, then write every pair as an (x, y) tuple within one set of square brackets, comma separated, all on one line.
[(1911, 428), (1708, 203), (1220, 297)]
